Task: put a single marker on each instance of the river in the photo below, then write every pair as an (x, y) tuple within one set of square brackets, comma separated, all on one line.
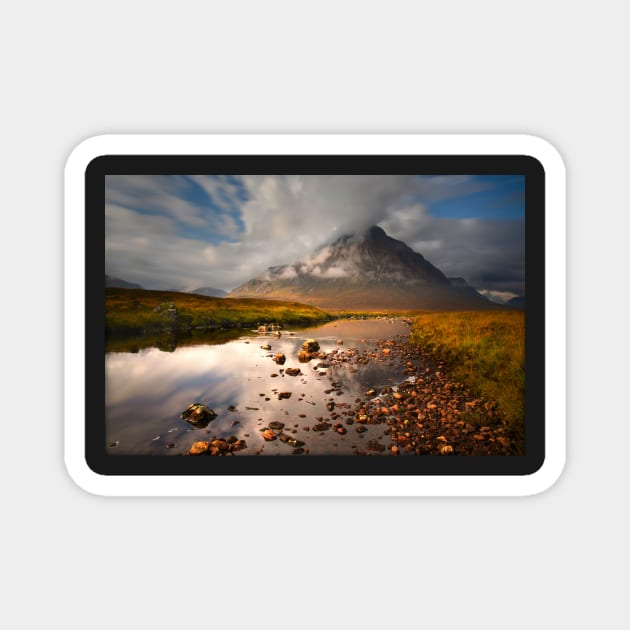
[(147, 390)]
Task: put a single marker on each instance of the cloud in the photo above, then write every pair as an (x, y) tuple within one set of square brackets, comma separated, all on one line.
[(488, 253), (501, 297), (188, 231)]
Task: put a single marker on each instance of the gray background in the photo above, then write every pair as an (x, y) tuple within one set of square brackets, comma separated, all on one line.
[(73, 70)]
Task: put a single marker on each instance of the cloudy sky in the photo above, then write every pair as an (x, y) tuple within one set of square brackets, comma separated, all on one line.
[(184, 232)]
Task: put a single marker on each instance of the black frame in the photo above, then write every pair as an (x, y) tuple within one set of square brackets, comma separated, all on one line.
[(95, 444)]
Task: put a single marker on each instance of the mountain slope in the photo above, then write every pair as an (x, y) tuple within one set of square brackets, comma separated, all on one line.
[(209, 291), (111, 282), (369, 271)]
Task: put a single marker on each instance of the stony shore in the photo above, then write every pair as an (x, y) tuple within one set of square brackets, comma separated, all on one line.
[(425, 413)]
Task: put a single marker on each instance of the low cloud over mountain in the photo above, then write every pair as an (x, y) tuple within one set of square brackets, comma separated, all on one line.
[(369, 270)]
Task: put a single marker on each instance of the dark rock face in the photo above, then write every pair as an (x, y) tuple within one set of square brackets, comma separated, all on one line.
[(363, 271)]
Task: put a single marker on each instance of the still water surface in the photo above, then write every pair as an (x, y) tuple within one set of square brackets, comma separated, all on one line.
[(147, 390)]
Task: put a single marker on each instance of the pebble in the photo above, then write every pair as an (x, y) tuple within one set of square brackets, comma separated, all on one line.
[(322, 426), (198, 448)]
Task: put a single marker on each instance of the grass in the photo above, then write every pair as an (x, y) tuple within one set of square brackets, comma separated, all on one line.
[(486, 352), (141, 311)]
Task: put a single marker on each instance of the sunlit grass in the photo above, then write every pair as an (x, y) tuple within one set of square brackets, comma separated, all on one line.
[(145, 311), (485, 351)]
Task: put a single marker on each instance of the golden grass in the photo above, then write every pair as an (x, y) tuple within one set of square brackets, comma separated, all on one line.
[(141, 310), (485, 350)]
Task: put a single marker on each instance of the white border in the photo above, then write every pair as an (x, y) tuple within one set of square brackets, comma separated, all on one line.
[(74, 302)]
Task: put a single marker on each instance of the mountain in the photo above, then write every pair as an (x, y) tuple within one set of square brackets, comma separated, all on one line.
[(120, 284), (209, 291), (517, 302), (368, 271)]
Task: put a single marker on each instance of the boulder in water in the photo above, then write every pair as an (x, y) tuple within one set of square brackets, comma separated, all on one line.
[(310, 345), (199, 415)]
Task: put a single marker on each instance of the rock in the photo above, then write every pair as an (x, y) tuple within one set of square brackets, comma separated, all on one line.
[(395, 450), (239, 446), (322, 426), (262, 329), (370, 392), (341, 430), (330, 406), (278, 426), (199, 415), (304, 356), (266, 347), (298, 451), (431, 406), (397, 395), (232, 439), (361, 429), (268, 435), (446, 449), (279, 358), (386, 350), (340, 342), (310, 345), (322, 365), (283, 395), (218, 447), (375, 446), (293, 371)]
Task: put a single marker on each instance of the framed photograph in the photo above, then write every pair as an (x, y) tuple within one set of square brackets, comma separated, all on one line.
[(314, 315)]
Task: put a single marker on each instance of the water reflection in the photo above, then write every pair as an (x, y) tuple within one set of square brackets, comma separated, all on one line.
[(169, 342), (147, 390)]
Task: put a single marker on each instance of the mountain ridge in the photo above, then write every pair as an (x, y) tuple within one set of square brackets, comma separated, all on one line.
[(367, 271)]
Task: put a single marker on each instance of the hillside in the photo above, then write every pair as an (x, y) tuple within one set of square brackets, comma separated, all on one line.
[(141, 310)]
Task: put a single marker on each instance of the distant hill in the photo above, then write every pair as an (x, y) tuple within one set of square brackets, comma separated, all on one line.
[(367, 271), (461, 285), (117, 283), (209, 291), (517, 302)]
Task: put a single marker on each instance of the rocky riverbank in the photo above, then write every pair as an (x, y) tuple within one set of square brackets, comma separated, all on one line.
[(424, 412)]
